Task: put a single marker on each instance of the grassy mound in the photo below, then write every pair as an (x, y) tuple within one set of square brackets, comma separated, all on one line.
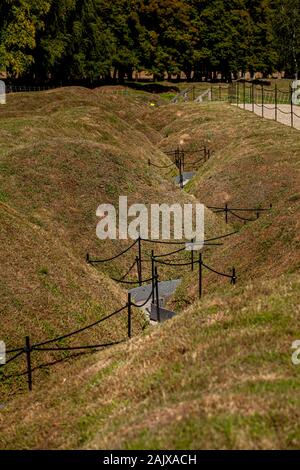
[(63, 153), (255, 163), (219, 375)]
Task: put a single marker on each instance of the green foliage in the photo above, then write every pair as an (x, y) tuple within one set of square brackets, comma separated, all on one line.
[(94, 39)]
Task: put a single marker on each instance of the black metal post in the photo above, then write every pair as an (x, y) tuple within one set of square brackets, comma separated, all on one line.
[(28, 360), (140, 261), (192, 256), (226, 213), (157, 295), (137, 260), (253, 100), (233, 279), (129, 315), (276, 102), (292, 108), (153, 275), (263, 100), (180, 174), (88, 258), (244, 93), (200, 275)]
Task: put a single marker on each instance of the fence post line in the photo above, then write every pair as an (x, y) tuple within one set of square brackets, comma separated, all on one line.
[(192, 256), (200, 275), (153, 274), (262, 100), (238, 94), (244, 93), (140, 261), (28, 360), (129, 315), (211, 92), (253, 104), (292, 107), (220, 93), (157, 295), (194, 93)]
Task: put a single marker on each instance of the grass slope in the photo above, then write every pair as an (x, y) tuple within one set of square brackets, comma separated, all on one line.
[(63, 153), (219, 375), (255, 163)]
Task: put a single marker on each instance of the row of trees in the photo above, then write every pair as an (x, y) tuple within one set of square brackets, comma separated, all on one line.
[(67, 40)]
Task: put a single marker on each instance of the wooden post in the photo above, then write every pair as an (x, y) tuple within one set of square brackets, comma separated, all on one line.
[(129, 315), (28, 360), (157, 296), (200, 275)]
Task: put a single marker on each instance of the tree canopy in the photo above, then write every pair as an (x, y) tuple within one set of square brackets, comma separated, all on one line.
[(92, 40)]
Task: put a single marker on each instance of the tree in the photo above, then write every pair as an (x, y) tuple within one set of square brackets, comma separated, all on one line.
[(287, 29), (18, 23)]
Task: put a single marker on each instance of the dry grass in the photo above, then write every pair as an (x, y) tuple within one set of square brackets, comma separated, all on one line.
[(219, 375), (63, 153)]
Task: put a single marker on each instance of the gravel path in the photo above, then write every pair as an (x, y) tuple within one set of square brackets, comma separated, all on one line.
[(165, 290), (283, 113), (187, 176)]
